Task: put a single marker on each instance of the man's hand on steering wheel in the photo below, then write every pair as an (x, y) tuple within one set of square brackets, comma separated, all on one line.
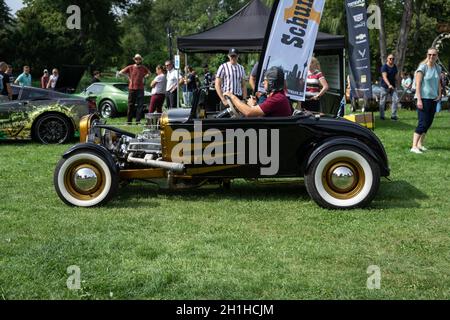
[(229, 96)]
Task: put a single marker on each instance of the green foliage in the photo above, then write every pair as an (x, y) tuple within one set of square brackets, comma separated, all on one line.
[(114, 30), (42, 39), (6, 24)]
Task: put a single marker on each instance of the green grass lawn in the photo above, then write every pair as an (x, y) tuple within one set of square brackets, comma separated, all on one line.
[(252, 242)]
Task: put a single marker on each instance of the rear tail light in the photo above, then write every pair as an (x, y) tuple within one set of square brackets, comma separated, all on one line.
[(92, 105)]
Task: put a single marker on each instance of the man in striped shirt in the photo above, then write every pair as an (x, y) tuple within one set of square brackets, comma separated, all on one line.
[(231, 78)]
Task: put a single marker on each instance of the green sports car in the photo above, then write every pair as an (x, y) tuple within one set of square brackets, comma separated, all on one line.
[(111, 98)]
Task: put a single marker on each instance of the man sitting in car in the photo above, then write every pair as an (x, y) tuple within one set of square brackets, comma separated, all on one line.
[(276, 105)]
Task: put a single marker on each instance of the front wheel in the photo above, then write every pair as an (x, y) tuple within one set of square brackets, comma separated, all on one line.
[(85, 180), (107, 109), (343, 178)]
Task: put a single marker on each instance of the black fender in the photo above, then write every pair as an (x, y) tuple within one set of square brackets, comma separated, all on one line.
[(95, 148), (381, 160)]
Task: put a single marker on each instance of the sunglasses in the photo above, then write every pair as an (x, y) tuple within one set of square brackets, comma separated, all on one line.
[(391, 58), (432, 54)]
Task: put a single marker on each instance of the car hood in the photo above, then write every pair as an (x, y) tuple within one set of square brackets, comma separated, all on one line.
[(69, 78)]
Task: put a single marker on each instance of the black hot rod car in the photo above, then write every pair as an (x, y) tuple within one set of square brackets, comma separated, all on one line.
[(341, 161)]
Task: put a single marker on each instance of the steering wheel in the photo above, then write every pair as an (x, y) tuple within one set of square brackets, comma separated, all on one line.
[(234, 112)]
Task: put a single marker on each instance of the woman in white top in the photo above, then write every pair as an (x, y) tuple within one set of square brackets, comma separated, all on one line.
[(53, 79), (158, 90)]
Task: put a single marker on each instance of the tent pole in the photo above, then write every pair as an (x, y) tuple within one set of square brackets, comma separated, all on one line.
[(185, 65), (178, 83)]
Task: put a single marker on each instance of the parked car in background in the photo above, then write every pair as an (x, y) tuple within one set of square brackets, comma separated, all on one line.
[(111, 98), (46, 116), (406, 100)]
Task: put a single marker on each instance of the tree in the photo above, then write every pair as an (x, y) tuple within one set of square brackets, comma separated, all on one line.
[(6, 23), (382, 32), (402, 44), (42, 38)]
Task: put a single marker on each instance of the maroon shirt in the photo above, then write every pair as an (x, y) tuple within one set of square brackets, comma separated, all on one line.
[(136, 75), (277, 105)]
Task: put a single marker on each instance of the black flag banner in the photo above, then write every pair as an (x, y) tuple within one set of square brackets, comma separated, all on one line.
[(359, 49)]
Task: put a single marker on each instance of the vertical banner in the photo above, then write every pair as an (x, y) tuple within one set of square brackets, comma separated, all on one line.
[(359, 49), (290, 40)]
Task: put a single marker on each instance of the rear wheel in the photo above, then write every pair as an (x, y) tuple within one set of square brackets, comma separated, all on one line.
[(107, 109), (52, 129), (343, 178), (85, 180)]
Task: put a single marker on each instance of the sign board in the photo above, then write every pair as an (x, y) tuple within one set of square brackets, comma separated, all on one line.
[(177, 62), (292, 34), (330, 67)]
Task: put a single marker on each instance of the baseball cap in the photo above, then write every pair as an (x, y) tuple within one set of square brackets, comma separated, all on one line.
[(138, 56), (233, 52)]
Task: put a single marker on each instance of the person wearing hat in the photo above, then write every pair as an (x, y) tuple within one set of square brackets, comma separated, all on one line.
[(136, 74), (231, 78), (276, 104), (44, 79)]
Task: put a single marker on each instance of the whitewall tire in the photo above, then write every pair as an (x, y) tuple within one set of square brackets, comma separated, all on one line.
[(85, 180), (343, 178)]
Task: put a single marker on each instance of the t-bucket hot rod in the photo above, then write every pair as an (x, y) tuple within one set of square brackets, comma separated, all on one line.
[(340, 161)]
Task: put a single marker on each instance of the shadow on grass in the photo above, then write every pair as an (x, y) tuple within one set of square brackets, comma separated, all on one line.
[(439, 148), (398, 194), (239, 191), (32, 143), (393, 125)]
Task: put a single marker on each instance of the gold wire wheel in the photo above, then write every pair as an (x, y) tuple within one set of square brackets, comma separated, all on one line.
[(343, 178), (85, 180)]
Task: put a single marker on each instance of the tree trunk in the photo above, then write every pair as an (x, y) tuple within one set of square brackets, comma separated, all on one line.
[(383, 51), (402, 43), (418, 9)]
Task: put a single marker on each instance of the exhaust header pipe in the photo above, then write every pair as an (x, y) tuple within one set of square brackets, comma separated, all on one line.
[(148, 161)]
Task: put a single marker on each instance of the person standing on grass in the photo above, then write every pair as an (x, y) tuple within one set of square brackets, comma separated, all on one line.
[(428, 93), (231, 78), (136, 74), (9, 71), (190, 81), (44, 79), (389, 73), (53, 80), (316, 87), (6, 93), (443, 80), (158, 90), (24, 79), (171, 85), (208, 77)]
